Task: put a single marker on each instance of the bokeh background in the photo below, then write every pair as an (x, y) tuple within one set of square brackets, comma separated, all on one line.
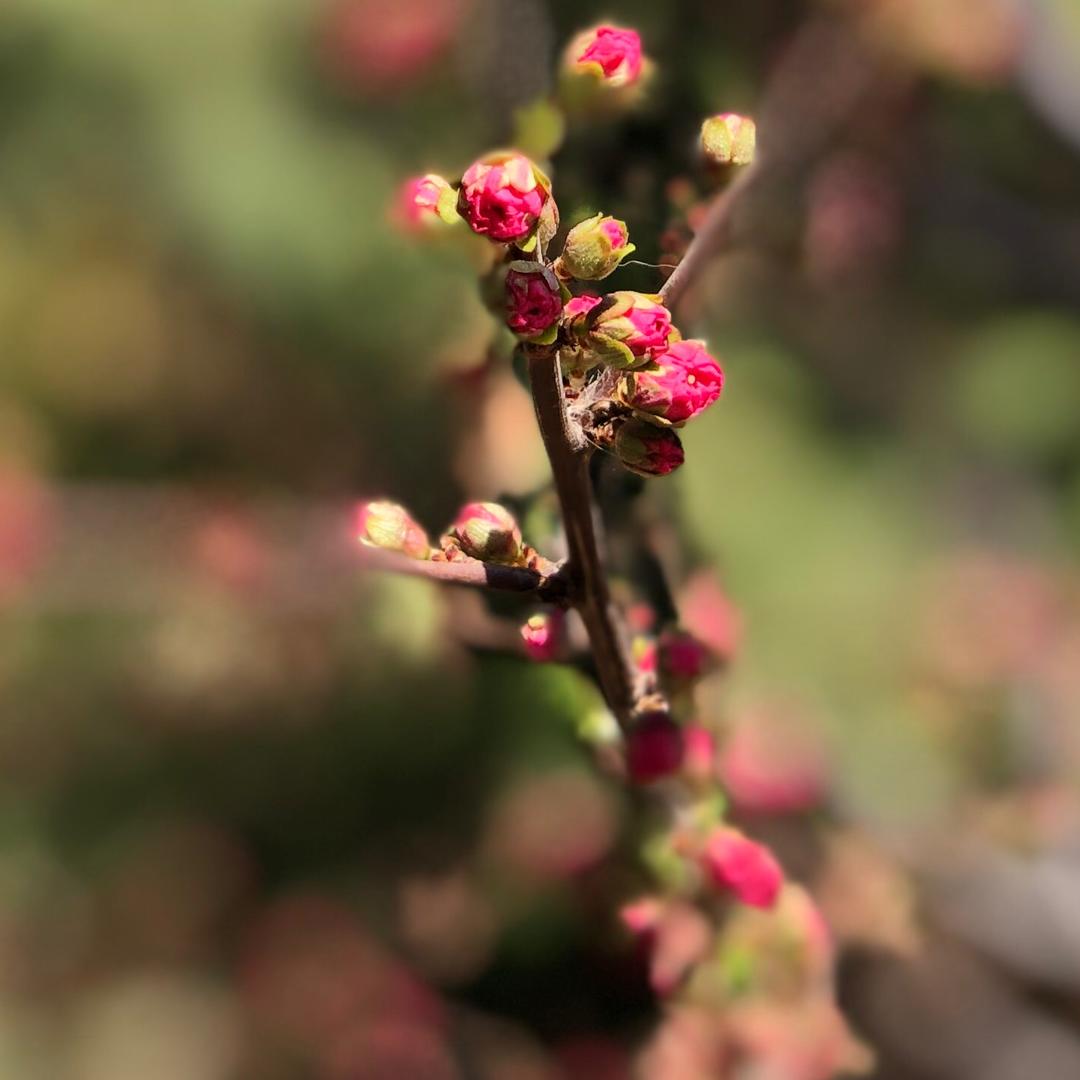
[(264, 816)]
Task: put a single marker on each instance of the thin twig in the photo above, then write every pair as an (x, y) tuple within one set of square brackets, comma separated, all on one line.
[(592, 598), (548, 587), (794, 125), (715, 234)]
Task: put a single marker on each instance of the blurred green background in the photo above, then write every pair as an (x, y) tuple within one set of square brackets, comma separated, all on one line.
[(263, 816)]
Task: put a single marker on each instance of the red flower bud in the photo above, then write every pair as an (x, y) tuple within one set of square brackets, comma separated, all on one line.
[(646, 449), (502, 197), (533, 301), (388, 525), (489, 532), (609, 54), (578, 307), (680, 383), (734, 862), (654, 748), (629, 330), (682, 657)]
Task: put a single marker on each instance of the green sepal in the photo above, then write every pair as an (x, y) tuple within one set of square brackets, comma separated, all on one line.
[(447, 206), (548, 225), (611, 352), (547, 337)]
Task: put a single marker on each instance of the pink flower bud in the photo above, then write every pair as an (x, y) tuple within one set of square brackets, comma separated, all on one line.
[(679, 383), (579, 306), (489, 532), (642, 916), (611, 55), (542, 634), (654, 748), (388, 525), (733, 861), (699, 759), (419, 200), (594, 248), (729, 139), (646, 449), (629, 329), (533, 301), (502, 196)]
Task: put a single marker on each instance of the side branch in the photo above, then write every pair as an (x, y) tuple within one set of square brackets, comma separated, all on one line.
[(716, 233), (553, 588), (569, 466)]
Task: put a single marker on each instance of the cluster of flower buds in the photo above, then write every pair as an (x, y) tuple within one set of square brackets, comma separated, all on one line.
[(484, 531), (631, 381), (507, 199)]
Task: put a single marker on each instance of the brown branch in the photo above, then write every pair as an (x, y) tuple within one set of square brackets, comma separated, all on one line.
[(553, 588), (716, 233), (592, 598), (822, 77)]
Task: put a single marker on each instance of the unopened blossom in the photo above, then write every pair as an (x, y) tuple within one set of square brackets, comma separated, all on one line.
[(746, 868), (630, 329), (654, 748), (683, 657), (542, 635), (388, 525), (646, 449), (489, 532), (594, 248), (502, 197), (729, 139), (419, 201), (699, 756), (681, 382), (533, 302), (642, 916), (609, 55)]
